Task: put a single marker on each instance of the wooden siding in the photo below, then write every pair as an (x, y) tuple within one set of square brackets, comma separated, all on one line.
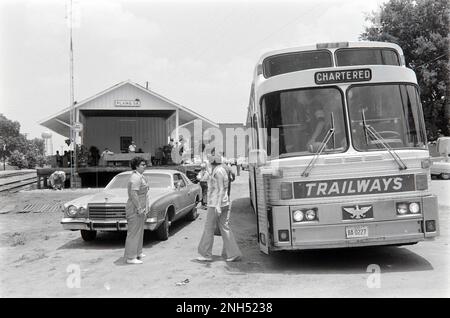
[(149, 133)]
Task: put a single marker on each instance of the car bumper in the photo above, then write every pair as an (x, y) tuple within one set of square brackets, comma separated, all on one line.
[(103, 225)]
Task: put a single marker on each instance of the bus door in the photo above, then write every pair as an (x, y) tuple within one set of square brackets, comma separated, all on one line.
[(261, 209)]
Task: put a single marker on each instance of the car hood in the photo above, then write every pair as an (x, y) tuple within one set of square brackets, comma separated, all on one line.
[(115, 196)]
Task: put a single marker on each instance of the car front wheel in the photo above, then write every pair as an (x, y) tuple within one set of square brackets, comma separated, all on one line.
[(162, 232), (88, 235)]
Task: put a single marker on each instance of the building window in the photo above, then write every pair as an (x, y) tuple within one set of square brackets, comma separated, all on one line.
[(125, 141)]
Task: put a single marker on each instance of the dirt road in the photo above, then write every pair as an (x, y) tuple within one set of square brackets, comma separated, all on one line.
[(40, 259)]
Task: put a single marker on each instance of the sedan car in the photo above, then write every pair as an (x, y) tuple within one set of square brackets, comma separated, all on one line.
[(171, 196)]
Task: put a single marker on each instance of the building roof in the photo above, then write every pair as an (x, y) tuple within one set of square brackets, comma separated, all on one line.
[(60, 122)]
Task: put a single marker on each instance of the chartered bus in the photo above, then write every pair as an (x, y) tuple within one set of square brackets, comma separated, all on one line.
[(338, 154)]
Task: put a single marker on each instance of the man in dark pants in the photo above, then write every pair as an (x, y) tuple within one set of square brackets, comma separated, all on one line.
[(203, 177)]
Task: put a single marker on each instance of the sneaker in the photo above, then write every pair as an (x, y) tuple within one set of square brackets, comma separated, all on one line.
[(234, 259), (204, 259), (134, 261), (140, 256)]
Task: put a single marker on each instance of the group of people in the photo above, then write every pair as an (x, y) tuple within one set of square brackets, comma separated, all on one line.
[(217, 177), (64, 160)]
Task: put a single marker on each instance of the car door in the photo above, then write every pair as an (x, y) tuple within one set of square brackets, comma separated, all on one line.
[(191, 190), (182, 194)]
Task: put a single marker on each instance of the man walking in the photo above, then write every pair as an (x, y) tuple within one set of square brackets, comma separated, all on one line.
[(218, 214)]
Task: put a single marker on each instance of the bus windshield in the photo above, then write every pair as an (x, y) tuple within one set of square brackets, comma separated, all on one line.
[(366, 56), (296, 61), (303, 118), (392, 110)]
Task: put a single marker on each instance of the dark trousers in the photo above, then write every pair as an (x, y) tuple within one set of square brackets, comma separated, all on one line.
[(204, 186)]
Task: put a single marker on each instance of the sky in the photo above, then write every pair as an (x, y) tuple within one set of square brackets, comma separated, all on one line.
[(200, 54)]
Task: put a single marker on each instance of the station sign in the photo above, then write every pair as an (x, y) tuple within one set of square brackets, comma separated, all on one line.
[(127, 103), (77, 126), (343, 76)]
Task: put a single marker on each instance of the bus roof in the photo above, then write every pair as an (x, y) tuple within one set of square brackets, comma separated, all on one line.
[(332, 46)]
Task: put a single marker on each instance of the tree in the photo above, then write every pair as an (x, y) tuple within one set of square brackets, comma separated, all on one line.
[(20, 151), (421, 29)]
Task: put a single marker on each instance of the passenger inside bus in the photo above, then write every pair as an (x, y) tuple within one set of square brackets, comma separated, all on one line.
[(303, 118)]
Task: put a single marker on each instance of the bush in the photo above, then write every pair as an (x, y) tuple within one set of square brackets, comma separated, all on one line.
[(18, 160)]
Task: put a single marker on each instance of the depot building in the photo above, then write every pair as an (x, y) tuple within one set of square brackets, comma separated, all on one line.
[(123, 113)]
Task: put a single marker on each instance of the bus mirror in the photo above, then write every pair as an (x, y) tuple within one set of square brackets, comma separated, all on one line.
[(443, 146), (257, 157)]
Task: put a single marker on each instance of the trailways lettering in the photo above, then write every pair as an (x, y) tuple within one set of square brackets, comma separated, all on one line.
[(355, 186)]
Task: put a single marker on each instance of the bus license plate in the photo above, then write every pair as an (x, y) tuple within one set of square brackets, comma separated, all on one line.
[(357, 231)]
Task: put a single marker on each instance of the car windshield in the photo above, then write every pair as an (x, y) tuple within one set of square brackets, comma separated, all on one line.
[(393, 111), (303, 118), (156, 180)]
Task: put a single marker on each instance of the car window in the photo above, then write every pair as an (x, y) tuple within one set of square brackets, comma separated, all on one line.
[(177, 177), (186, 179)]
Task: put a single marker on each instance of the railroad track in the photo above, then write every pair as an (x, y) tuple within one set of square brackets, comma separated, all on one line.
[(16, 184)]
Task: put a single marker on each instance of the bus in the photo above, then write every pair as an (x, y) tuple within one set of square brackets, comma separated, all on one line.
[(338, 154)]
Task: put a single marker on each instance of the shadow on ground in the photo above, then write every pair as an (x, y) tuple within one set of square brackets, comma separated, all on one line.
[(116, 240), (326, 261)]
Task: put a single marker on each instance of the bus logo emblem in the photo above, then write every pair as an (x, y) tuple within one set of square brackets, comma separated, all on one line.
[(357, 212)]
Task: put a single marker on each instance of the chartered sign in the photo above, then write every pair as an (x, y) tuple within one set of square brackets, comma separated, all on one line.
[(332, 77), (354, 186), (127, 103)]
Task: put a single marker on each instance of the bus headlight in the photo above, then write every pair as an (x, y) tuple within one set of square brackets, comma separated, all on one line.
[(310, 215), (414, 207), (402, 208), (298, 216), (72, 211)]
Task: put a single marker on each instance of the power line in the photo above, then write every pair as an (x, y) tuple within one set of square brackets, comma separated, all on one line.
[(437, 58), (282, 27)]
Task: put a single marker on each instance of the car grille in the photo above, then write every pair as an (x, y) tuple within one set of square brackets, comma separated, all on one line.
[(106, 212)]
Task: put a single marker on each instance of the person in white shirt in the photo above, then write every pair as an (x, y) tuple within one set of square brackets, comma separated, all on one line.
[(132, 147)]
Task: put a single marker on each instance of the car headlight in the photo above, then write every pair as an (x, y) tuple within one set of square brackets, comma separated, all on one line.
[(310, 215), (72, 211), (414, 207), (298, 216), (82, 211)]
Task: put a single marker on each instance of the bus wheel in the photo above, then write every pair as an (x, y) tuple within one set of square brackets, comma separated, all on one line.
[(88, 235)]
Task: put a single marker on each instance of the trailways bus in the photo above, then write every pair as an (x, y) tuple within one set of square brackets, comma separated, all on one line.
[(338, 156)]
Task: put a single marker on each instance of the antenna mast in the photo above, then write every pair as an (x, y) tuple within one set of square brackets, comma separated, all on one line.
[(73, 156)]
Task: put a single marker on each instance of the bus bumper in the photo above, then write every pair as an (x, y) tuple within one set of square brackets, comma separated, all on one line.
[(331, 231)]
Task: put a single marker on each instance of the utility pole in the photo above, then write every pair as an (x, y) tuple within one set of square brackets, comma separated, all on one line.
[(73, 156)]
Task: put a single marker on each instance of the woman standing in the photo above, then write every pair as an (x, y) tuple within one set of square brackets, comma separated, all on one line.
[(136, 211)]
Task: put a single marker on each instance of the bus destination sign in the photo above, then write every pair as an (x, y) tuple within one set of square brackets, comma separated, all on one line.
[(354, 186), (333, 77)]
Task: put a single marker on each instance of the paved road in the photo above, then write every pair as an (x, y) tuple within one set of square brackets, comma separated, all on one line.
[(40, 259)]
